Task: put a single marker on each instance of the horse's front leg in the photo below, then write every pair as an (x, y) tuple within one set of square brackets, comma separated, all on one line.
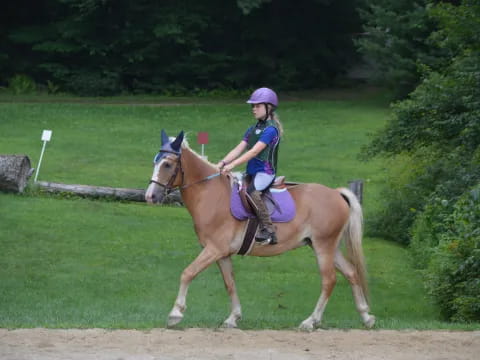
[(203, 260), (226, 268)]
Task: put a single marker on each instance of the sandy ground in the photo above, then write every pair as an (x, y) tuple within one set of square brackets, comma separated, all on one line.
[(207, 344)]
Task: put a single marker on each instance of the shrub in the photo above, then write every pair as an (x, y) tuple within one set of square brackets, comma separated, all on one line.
[(434, 221), (398, 209), (52, 88), (87, 83), (454, 270), (22, 84)]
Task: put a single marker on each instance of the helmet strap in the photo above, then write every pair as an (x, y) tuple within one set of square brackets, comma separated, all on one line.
[(267, 112)]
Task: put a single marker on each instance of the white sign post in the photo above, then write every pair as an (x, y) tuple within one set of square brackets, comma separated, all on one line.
[(46, 136)]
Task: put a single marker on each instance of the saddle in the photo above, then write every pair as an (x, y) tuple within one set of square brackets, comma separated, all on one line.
[(278, 183), (277, 198)]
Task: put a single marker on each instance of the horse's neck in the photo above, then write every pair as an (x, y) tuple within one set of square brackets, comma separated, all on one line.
[(194, 167), (199, 197)]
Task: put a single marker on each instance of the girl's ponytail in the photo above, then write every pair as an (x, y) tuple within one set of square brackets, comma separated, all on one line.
[(277, 122)]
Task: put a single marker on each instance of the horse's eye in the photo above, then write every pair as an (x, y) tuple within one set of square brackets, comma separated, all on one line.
[(168, 166)]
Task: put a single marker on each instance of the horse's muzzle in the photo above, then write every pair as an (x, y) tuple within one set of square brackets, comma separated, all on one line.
[(154, 193)]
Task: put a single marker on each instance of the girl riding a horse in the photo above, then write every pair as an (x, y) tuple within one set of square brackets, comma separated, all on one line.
[(259, 149)]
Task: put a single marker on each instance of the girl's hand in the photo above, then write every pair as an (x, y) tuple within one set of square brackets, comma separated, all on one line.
[(221, 164), (227, 168)]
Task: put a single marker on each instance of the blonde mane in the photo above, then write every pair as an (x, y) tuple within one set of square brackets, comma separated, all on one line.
[(186, 145)]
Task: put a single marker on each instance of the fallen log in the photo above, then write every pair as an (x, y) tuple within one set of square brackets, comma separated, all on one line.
[(14, 172), (174, 198)]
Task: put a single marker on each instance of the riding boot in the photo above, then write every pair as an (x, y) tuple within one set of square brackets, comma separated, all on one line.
[(266, 234)]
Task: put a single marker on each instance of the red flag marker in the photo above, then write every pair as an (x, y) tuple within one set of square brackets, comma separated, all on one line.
[(202, 138)]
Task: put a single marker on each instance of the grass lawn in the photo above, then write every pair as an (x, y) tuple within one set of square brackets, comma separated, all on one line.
[(70, 262), (113, 144)]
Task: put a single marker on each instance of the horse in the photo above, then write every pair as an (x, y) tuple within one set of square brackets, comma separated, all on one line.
[(324, 216)]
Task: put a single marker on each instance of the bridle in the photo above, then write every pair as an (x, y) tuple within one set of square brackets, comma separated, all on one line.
[(168, 187)]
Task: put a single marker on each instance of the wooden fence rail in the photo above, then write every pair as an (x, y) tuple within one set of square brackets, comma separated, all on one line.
[(173, 198)]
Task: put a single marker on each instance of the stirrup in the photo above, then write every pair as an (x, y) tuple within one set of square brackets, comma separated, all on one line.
[(264, 237)]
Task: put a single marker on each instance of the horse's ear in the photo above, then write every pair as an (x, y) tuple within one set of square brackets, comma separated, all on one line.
[(164, 137), (177, 142)]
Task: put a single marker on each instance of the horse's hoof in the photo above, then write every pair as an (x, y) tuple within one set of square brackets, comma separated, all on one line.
[(307, 325), (231, 321), (370, 322), (229, 325), (174, 320)]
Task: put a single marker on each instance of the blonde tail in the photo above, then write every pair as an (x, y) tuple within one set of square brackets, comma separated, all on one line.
[(352, 236)]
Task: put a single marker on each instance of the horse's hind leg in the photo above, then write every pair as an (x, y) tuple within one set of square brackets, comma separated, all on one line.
[(226, 268), (325, 260), (350, 274), (203, 260)]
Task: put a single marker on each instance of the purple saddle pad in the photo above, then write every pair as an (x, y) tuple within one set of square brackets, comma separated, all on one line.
[(283, 212)]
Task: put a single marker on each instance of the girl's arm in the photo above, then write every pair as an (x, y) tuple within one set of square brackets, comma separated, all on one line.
[(232, 155), (250, 154)]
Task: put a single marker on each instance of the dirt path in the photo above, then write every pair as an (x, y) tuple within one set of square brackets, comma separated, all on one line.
[(205, 344)]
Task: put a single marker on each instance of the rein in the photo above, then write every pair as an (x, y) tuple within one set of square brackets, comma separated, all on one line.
[(209, 177), (168, 187)]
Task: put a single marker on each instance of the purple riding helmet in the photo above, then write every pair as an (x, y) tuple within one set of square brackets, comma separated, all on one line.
[(263, 95)]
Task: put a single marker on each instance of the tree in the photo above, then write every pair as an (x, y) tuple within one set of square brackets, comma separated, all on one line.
[(395, 41), (102, 47)]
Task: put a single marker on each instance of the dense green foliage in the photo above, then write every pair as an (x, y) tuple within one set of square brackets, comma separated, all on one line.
[(434, 138), (101, 47), (395, 40), (438, 129), (454, 270)]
